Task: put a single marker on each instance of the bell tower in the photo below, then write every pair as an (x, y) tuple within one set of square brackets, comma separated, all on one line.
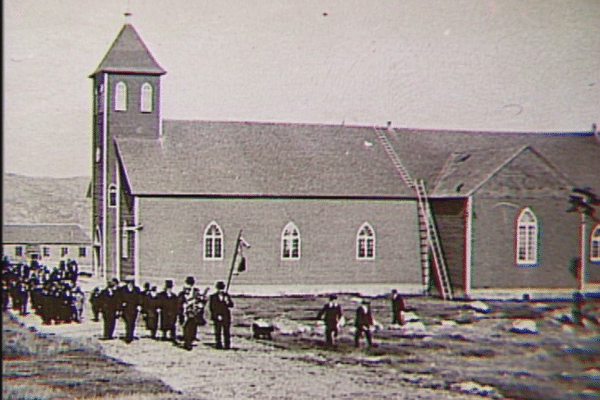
[(126, 104)]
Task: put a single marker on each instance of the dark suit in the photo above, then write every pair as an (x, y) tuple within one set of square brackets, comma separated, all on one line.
[(170, 307), (109, 305), (331, 313), (130, 299), (219, 305), (362, 323), (150, 307), (398, 306)]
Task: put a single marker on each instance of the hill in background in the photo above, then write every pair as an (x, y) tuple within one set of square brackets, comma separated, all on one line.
[(35, 200)]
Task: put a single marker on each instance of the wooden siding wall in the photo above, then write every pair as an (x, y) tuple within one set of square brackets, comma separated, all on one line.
[(494, 264), (171, 242)]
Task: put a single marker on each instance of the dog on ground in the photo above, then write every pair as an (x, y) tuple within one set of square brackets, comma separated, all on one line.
[(262, 332)]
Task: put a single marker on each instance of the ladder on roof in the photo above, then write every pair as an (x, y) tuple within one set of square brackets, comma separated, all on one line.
[(389, 149), (428, 235), (440, 268)]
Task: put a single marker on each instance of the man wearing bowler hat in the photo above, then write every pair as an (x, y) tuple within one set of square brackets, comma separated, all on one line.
[(219, 304)]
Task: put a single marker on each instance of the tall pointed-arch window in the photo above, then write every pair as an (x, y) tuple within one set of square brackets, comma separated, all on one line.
[(527, 238), (121, 96), (290, 242), (365, 243), (595, 244), (213, 242), (146, 98)]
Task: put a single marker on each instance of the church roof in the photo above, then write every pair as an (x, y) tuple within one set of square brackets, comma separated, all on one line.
[(466, 172), (425, 153), (267, 159), (129, 54), (260, 159), (44, 234)]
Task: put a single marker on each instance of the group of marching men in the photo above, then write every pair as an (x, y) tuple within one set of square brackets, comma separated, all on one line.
[(165, 310), (53, 294)]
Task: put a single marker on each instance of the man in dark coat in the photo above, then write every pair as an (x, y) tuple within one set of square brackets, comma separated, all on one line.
[(109, 307), (398, 305), (363, 323), (150, 309), (130, 299), (95, 303), (170, 307), (332, 314), (220, 303)]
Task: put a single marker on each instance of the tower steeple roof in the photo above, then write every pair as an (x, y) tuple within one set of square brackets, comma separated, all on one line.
[(129, 55)]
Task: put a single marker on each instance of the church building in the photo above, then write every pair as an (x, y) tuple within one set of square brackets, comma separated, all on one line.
[(329, 208)]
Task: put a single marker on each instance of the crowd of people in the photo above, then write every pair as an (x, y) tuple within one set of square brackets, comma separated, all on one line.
[(53, 294), (163, 312)]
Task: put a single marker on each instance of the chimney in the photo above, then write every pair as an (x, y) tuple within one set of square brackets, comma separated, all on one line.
[(389, 126)]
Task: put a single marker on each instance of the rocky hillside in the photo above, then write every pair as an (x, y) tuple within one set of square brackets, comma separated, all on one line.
[(46, 200)]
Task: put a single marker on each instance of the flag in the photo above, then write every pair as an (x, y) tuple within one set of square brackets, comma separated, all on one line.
[(243, 243), (242, 265)]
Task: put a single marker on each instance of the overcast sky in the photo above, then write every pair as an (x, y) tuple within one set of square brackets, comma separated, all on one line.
[(508, 65)]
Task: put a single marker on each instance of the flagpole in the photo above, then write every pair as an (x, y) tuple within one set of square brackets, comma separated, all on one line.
[(237, 247)]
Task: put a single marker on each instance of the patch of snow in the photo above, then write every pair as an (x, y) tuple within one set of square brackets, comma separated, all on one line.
[(524, 326), (471, 387), (289, 327), (447, 323), (478, 306), (410, 316), (562, 315), (414, 326)]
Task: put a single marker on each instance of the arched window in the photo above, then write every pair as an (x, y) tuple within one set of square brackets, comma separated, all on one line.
[(121, 97), (290, 242), (146, 98), (595, 244), (365, 243), (112, 195), (213, 242), (527, 238)]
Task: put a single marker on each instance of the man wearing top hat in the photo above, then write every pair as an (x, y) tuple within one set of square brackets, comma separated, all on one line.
[(332, 314), (130, 299), (170, 307), (219, 304)]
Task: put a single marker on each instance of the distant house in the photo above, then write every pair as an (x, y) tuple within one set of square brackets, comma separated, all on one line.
[(327, 208), (47, 243)]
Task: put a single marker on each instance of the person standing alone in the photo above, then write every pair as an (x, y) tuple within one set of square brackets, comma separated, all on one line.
[(219, 304)]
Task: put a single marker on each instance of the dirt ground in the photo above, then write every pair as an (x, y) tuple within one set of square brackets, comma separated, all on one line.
[(448, 350)]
